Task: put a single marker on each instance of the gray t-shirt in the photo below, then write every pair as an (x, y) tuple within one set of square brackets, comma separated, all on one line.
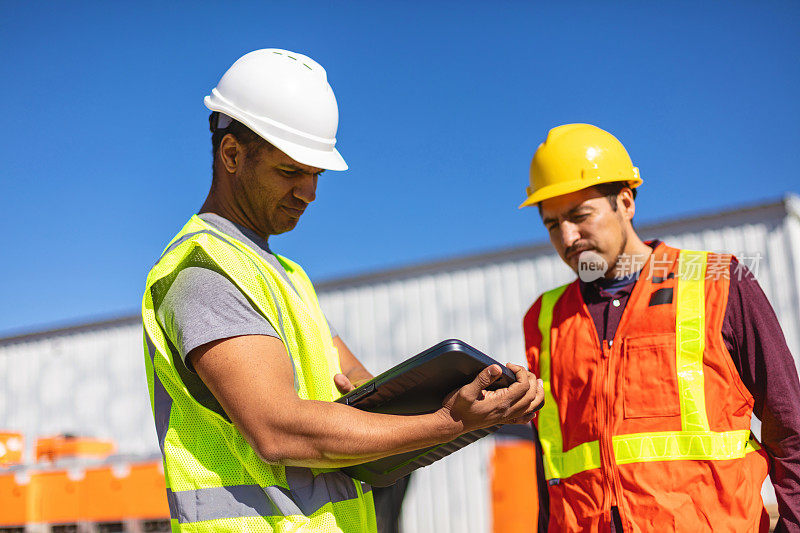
[(202, 305)]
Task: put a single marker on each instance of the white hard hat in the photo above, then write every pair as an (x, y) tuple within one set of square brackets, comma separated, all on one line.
[(285, 98)]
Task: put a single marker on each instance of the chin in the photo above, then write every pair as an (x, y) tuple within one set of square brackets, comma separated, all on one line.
[(289, 226), (572, 263)]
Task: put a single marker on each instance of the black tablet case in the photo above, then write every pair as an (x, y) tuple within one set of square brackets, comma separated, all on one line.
[(418, 386)]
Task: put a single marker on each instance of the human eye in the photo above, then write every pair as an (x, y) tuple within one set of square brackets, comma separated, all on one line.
[(288, 172)]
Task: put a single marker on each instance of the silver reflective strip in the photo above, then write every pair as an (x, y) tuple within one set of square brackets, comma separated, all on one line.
[(173, 509), (307, 495), (151, 348), (311, 492), (178, 242), (281, 498), (162, 401), (218, 502), (162, 407)]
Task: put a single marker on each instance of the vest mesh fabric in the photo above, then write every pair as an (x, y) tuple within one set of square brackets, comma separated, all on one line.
[(215, 480)]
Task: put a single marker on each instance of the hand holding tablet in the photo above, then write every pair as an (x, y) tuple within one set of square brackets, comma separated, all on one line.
[(455, 379)]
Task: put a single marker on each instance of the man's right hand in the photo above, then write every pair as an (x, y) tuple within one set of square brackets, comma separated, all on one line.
[(473, 407)]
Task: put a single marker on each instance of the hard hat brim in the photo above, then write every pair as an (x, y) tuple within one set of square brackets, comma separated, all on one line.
[(329, 160), (325, 156), (559, 189)]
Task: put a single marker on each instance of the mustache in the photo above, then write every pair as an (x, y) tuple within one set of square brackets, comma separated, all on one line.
[(577, 248)]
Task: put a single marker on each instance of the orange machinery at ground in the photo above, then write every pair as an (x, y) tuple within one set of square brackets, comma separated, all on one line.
[(76, 485), (11, 445), (515, 500)]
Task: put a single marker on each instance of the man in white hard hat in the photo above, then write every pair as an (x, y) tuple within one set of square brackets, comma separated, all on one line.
[(241, 362)]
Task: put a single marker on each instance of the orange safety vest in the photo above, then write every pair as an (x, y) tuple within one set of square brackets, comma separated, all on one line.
[(655, 422)]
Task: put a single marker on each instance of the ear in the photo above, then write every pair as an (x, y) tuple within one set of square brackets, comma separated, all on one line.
[(625, 203), (231, 153)]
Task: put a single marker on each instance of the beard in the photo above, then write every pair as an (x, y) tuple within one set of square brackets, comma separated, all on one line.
[(612, 264)]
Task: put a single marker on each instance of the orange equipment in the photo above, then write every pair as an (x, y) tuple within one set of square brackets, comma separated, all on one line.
[(515, 500), (106, 494), (79, 483), (11, 446), (62, 446)]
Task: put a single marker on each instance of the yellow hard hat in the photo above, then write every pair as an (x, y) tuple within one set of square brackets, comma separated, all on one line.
[(577, 156)]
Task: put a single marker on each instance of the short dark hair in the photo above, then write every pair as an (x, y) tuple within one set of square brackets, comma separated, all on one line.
[(609, 190), (247, 137)]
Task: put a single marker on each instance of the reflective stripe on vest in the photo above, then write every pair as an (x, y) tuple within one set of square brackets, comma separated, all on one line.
[(695, 441), (213, 503), (215, 480)]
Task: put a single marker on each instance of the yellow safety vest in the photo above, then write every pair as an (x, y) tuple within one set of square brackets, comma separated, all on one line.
[(215, 480)]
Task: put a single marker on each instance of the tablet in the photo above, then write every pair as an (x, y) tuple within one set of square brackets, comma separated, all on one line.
[(419, 386)]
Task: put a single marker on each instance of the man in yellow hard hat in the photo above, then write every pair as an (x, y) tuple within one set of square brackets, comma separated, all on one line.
[(242, 365), (653, 360)]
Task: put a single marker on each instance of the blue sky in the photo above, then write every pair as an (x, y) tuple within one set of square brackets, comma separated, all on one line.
[(106, 152)]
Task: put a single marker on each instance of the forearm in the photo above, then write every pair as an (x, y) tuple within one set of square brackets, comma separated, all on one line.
[(762, 358), (782, 442), (257, 395), (785, 476), (329, 435)]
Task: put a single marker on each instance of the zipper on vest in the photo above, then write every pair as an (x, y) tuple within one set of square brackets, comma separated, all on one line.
[(614, 480), (606, 349), (606, 450), (608, 466)]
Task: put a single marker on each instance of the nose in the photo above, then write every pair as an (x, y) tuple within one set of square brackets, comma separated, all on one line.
[(306, 188), (569, 233)]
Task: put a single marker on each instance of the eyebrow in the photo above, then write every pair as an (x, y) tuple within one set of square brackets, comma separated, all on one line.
[(295, 168), (571, 212)]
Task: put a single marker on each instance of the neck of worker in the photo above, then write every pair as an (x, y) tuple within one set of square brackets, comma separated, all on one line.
[(632, 247), (222, 201)]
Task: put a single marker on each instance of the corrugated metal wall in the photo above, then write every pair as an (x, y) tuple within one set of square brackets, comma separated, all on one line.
[(85, 382), (91, 380)]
